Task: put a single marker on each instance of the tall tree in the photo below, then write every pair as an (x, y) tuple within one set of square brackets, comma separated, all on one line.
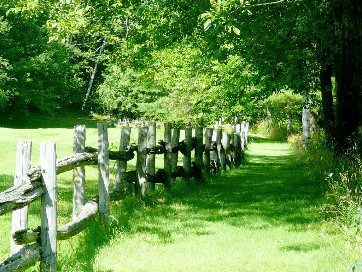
[(348, 71)]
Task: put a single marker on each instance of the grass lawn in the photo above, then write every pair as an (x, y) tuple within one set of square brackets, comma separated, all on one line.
[(263, 216)]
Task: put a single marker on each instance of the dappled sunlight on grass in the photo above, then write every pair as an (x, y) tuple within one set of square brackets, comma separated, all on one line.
[(263, 216)]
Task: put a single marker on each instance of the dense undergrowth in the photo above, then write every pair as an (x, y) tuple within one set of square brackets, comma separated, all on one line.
[(340, 178)]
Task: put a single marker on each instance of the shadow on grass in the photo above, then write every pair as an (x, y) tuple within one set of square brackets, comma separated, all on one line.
[(56, 120), (266, 191), (260, 139), (6, 182)]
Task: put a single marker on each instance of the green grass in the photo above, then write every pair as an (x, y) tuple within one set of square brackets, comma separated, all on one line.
[(263, 216)]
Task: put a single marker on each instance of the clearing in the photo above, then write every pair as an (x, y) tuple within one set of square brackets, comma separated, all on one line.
[(263, 216)]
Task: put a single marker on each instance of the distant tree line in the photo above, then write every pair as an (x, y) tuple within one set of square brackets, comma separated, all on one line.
[(187, 59)]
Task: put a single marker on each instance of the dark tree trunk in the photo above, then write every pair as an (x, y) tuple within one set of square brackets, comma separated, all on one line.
[(327, 102), (349, 75)]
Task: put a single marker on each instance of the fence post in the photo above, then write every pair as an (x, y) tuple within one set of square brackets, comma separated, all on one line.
[(78, 172), (187, 155), (226, 147), (221, 149), (174, 142), (237, 145), (48, 234), (168, 155), (151, 165), (199, 150), (121, 184), (103, 181), (19, 219), (208, 139), (141, 161), (242, 135), (216, 152)]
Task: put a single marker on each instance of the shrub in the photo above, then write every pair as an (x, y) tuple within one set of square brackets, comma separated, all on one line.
[(47, 82), (117, 94), (340, 177), (282, 114), (35, 75), (345, 194)]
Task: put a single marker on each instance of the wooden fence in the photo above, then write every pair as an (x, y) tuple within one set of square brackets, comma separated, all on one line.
[(214, 150)]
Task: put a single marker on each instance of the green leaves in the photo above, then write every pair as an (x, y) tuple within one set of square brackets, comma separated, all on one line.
[(236, 30), (197, 58), (207, 24)]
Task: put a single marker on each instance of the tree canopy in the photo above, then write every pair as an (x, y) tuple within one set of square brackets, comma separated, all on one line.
[(184, 60)]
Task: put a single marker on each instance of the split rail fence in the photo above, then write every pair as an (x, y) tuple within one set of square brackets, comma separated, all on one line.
[(214, 151)]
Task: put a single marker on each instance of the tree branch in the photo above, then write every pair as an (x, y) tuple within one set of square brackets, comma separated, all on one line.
[(266, 4)]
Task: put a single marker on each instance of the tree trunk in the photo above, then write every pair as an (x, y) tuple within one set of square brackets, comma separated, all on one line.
[(90, 85), (327, 101), (349, 75)]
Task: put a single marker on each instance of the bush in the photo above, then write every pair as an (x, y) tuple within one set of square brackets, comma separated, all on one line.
[(47, 82), (4, 93), (116, 94), (340, 177), (282, 114), (35, 75), (345, 193)]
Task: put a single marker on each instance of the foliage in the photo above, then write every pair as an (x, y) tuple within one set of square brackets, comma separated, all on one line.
[(282, 113), (192, 60), (4, 67), (46, 82), (341, 179), (185, 86), (4, 95), (35, 75), (118, 93)]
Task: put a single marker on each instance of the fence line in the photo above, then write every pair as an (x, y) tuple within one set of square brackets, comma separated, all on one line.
[(214, 150)]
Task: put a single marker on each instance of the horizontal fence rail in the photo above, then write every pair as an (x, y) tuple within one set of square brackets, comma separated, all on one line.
[(215, 150)]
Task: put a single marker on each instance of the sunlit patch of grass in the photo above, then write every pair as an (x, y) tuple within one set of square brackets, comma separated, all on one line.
[(263, 216)]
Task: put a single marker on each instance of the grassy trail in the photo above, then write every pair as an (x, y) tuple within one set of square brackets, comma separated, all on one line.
[(261, 217)]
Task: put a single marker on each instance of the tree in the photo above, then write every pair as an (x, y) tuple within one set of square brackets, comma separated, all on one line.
[(348, 71)]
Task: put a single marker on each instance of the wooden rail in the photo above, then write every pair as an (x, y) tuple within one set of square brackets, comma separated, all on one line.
[(214, 150)]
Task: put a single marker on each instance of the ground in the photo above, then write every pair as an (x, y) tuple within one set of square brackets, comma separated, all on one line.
[(264, 216)]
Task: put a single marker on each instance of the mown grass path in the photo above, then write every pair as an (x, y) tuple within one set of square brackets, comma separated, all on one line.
[(264, 216)]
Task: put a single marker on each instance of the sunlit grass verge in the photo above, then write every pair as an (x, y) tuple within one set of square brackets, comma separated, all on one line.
[(340, 177), (264, 216)]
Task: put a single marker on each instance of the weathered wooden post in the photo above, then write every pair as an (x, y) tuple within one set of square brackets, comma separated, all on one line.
[(237, 145), (122, 185), (187, 155), (19, 219), (103, 181), (151, 158), (168, 155), (78, 172), (246, 134), (174, 142), (221, 149), (199, 149), (216, 152), (226, 146), (208, 139), (242, 135), (306, 121), (141, 161), (48, 232)]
